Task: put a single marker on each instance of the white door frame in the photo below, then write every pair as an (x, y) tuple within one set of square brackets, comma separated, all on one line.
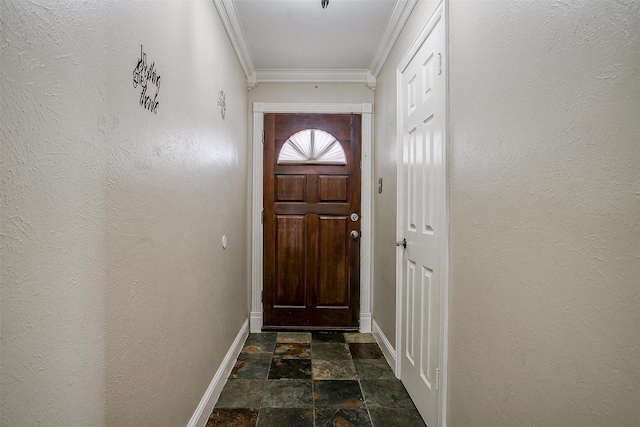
[(259, 110), (438, 14)]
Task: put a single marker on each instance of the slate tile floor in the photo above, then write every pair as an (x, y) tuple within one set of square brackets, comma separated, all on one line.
[(302, 379)]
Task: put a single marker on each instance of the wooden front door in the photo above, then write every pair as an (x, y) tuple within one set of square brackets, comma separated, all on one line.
[(311, 221)]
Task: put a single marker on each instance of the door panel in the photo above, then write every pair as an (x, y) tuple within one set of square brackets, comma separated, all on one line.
[(290, 188), (333, 268), (332, 188), (311, 264), (423, 222), (289, 261)]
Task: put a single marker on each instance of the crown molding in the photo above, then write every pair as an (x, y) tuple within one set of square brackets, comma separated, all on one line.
[(399, 16), (229, 17), (371, 81), (316, 76), (252, 81), (322, 108), (311, 76)]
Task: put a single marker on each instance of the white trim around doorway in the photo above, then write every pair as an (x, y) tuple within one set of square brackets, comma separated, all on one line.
[(259, 110)]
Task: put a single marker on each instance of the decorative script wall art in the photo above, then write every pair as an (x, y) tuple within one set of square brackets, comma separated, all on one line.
[(143, 75)]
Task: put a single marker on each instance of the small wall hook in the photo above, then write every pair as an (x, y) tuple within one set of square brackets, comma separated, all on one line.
[(324, 3)]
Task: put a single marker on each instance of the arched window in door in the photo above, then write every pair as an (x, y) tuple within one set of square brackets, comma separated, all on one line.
[(312, 147)]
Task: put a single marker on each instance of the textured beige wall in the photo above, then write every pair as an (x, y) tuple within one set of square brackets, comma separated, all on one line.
[(545, 215), (118, 301)]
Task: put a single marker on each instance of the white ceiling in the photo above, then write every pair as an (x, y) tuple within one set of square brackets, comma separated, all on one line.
[(298, 40), (300, 34)]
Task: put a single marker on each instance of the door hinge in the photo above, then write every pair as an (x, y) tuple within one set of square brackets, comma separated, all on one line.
[(262, 296), (262, 216), (263, 137), (439, 63), (351, 120), (437, 378)]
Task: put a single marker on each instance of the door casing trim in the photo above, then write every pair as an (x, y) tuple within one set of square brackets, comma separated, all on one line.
[(439, 14), (259, 110)]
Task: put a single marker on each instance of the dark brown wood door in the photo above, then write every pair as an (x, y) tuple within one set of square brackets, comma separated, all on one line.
[(311, 208)]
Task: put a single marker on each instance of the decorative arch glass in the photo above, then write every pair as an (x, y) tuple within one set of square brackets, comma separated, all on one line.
[(312, 147)]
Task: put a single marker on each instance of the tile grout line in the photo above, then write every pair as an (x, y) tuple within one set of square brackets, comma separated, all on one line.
[(364, 399), (265, 382), (313, 386)]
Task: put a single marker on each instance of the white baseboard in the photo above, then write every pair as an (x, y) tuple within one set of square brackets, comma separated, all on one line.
[(201, 415), (386, 347), (365, 322), (255, 326)]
